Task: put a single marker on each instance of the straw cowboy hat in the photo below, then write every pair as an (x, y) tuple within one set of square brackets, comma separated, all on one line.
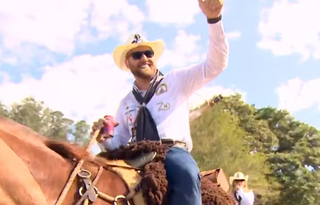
[(238, 176), (133, 41)]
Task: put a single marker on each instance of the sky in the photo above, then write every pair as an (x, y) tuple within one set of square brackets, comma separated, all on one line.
[(60, 51)]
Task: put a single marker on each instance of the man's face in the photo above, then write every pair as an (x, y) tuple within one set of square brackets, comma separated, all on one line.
[(140, 61), (239, 183)]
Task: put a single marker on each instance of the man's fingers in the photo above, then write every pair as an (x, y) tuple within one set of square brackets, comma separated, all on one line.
[(95, 127), (100, 139), (101, 121), (106, 121), (214, 4), (203, 2), (100, 124), (211, 4)]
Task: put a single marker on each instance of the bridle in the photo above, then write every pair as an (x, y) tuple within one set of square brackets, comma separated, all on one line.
[(88, 191)]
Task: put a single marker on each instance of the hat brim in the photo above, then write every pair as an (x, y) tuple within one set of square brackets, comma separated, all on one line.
[(231, 179), (120, 52)]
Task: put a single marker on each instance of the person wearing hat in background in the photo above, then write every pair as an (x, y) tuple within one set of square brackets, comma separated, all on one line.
[(157, 107), (240, 190)]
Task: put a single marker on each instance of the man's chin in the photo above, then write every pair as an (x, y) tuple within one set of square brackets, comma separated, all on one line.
[(145, 73), (145, 68)]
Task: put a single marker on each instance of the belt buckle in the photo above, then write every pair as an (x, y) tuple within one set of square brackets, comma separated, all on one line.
[(180, 145), (169, 142)]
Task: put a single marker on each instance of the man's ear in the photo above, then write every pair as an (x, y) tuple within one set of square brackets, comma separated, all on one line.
[(127, 62)]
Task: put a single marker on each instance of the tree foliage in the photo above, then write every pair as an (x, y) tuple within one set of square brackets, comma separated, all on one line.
[(50, 123), (280, 154)]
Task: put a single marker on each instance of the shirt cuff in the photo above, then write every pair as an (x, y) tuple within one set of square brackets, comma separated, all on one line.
[(108, 144)]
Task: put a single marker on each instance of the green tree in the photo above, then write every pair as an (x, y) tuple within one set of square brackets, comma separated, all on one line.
[(287, 146), (219, 142), (258, 135), (28, 113), (50, 123), (60, 127), (3, 109), (81, 133), (298, 149)]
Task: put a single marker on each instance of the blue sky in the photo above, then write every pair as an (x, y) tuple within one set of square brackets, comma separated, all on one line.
[(66, 59)]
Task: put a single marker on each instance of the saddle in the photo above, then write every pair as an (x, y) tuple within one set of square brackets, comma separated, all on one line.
[(141, 160), (146, 158), (217, 176), (135, 178)]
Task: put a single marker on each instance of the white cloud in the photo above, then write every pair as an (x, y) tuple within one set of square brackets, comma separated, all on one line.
[(297, 95), (206, 93), (233, 35), (116, 19), (84, 87), (57, 25), (12, 60), (180, 12), (4, 77), (185, 50), (291, 27), (50, 23)]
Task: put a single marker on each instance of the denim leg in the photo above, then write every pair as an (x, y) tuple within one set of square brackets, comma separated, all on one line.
[(183, 178)]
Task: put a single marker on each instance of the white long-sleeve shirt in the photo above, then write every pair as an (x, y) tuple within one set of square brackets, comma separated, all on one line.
[(247, 198), (169, 105)]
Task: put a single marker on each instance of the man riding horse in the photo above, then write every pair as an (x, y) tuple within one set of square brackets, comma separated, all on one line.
[(157, 108)]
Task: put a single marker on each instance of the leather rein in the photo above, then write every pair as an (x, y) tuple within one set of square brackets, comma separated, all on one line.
[(91, 192)]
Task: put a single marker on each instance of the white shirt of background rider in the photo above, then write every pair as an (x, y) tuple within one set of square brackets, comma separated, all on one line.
[(247, 198), (169, 105)]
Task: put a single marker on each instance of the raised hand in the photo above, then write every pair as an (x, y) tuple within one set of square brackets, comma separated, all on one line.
[(211, 8)]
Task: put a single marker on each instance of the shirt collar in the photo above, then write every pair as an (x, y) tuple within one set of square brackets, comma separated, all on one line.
[(151, 81)]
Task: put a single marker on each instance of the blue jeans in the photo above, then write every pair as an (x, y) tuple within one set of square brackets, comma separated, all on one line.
[(183, 178)]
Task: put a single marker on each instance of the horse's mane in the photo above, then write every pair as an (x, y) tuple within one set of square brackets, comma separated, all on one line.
[(71, 152)]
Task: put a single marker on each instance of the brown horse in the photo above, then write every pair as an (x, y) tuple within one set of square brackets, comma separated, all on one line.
[(31, 173), (35, 170), (17, 185)]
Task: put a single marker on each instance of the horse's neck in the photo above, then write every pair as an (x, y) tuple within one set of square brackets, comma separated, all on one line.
[(19, 130), (49, 169)]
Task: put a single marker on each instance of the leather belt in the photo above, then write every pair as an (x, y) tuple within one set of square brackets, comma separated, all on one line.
[(174, 143)]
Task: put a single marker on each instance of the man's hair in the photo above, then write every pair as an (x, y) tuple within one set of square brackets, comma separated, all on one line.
[(245, 188)]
